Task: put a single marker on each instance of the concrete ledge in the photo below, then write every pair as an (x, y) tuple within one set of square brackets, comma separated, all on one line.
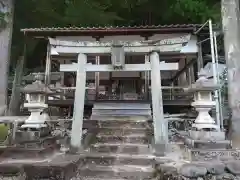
[(11, 169)]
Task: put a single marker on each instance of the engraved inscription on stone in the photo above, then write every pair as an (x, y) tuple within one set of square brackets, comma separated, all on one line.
[(205, 155)]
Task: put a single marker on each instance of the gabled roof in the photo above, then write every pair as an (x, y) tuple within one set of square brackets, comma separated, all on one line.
[(112, 30)]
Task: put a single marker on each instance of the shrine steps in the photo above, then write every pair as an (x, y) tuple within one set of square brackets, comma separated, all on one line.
[(120, 151)]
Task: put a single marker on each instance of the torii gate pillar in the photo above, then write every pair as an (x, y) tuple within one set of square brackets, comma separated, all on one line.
[(77, 124), (160, 125)]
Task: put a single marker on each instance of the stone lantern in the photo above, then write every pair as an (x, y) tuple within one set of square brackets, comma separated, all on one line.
[(205, 135), (36, 96), (203, 102)]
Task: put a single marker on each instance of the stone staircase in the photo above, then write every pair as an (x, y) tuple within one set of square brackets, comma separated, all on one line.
[(121, 147), (118, 148)]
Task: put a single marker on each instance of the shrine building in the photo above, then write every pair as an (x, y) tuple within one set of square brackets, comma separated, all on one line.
[(177, 46)]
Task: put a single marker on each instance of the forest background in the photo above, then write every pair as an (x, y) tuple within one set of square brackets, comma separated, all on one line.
[(93, 13)]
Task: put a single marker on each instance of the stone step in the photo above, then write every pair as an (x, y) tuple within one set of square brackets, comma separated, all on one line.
[(120, 117), (123, 124), (123, 109), (121, 112), (111, 159), (93, 178), (125, 172), (141, 139), (122, 131), (105, 105), (118, 111), (129, 148)]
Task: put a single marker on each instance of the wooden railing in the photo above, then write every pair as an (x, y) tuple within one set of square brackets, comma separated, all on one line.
[(168, 93)]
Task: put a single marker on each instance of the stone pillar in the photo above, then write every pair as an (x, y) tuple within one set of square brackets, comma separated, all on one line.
[(160, 126), (76, 134)]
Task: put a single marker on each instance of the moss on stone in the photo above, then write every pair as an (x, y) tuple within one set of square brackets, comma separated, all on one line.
[(3, 132)]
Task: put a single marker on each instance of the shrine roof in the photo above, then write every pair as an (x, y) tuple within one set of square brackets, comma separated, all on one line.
[(112, 30)]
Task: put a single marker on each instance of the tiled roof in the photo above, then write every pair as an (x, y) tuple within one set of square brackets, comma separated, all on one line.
[(112, 28)]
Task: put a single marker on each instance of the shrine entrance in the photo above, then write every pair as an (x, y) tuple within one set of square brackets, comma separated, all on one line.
[(153, 65), (122, 89)]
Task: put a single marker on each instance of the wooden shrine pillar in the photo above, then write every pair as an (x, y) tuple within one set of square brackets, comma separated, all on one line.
[(47, 77), (97, 77), (200, 58), (146, 80), (48, 66)]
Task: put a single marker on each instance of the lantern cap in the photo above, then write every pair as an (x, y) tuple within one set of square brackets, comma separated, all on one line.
[(203, 83), (37, 87)]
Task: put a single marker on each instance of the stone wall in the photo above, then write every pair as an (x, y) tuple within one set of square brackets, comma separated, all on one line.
[(200, 171)]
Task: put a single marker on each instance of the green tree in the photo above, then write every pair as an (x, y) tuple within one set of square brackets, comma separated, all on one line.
[(59, 13)]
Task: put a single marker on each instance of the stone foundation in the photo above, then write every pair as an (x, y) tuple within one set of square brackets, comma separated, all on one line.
[(229, 170), (57, 167)]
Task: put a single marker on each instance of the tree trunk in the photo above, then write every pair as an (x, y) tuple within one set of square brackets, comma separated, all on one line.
[(230, 22), (6, 6), (15, 99)]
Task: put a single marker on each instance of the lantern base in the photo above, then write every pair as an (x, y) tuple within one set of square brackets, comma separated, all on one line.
[(199, 143), (37, 119), (204, 120), (34, 126), (35, 105), (199, 127)]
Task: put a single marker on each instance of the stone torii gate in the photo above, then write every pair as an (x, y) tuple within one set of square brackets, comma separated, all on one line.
[(118, 64)]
